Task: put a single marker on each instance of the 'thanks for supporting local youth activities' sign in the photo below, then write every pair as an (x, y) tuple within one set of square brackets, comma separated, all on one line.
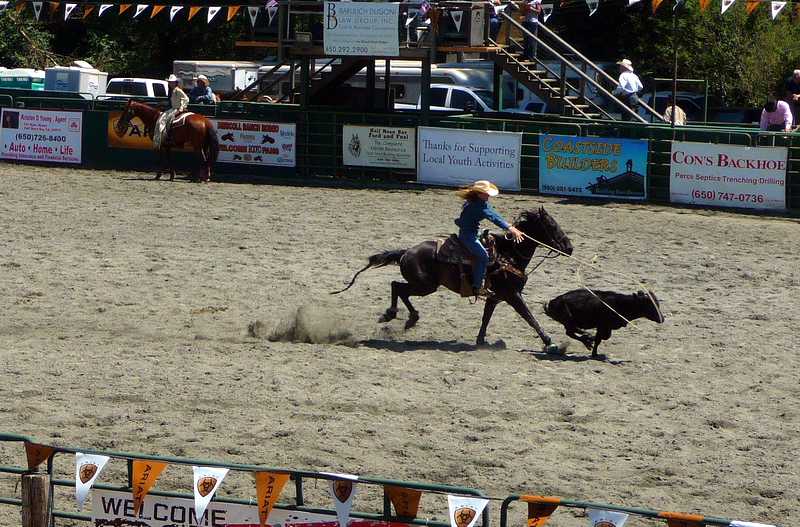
[(37, 135), (728, 175), (378, 146), (453, 157), (361, 28), (256, 143), (593, 167)]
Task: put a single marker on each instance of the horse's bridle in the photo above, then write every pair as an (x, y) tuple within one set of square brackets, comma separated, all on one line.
[(549, 256)]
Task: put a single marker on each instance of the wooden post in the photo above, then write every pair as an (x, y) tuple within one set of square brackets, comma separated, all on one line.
[(35, 498)]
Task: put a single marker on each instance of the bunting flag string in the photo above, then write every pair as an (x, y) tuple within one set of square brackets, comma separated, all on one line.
[(603, 518), (19, 7), (53, 7), (593, 5), (156, 10), (145, 474), (656, 3), (36, 454), (775, 8), (272, 8), (726, 4), (212, 12), (206, 482), (465, 512), (104, 8), (193, 10), (37, 11), (704, 4), (631, 2), (68, 9), (124, 7), (405, 501), (268, 490), (539, 512), (232, 10), (343, 491), (751, 5), (173, 10), (87, 10), (253, 13), (140, 9), (457, 16), (547, 10), (3, 5), (87, 468)]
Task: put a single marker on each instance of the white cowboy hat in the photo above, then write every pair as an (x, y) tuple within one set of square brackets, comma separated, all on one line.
[(625, 63), (486, 187), (202, 78), (172, 78)]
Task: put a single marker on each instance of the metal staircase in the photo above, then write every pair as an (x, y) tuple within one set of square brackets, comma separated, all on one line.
[(575, 85)]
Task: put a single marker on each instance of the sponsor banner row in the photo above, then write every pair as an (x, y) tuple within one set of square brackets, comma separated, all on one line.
[(39, 135)]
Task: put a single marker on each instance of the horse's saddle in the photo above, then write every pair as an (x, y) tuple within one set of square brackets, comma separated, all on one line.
[(180, 119), (451, 250)]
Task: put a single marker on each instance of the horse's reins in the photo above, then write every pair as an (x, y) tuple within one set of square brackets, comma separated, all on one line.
[(593, 264)]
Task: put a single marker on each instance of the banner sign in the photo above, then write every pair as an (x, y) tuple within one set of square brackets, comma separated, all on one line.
[(455, 157), (116, 508), (40, 135), (593, 167), (728, 175), (256, 143), (378, 146), (361, 28)]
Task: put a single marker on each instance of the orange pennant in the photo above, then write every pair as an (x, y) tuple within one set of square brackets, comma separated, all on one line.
[(193, 11), (145, 474), (751, 6), (405, 501), (54, 7), (704, 4), (232, 10), (268, 489), (124, 7), (680, 519), (156, 10), (656, 3), (20, 7), (87, 10), (540, 508), (36, 454)]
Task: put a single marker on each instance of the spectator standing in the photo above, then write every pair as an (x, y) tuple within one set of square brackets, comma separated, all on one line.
[(793, 94), (201, 93), (531, 10), (680, 115), (629, 87), (776, 116)]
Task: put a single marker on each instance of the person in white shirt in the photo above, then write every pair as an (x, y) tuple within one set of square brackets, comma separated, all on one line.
[(531, 9), (629, 87)]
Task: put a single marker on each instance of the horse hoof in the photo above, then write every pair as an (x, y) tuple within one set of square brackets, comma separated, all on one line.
[(411, 322), (553, 349), (158, 176), (390, 315)]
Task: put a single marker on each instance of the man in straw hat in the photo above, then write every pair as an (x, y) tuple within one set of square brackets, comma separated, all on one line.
[(178, 101), (201, 93), (476, 208), (629, 87)]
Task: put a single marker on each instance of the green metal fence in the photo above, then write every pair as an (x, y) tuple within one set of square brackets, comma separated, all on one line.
[(319, 139), (299, 478)]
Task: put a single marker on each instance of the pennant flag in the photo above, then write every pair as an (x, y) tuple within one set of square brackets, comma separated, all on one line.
[(776, 8), (631, 2), (677, 4), (68, 9), (35, 453), (145, 474), (232, 10), (601, 518), (272, 8), (547, 10), (87, 468), (540, 508), (156, 10), (253, 12), (737, 523), (592, 6), (212, 12), (53, 7), (124, 7), (457, 16), (464, 512), (682, 519), (103, 8), (173, 10), (37, 9), (751, 5), (87, 10), (656, 3), (405, 501), (268, 490), (206, 482), (343, 491), (19, 7), (704, 4), (726, 4), (3, 5), (193, 10), (140, 9)]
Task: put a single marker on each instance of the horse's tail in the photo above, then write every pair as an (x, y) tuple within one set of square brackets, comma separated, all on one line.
[(375, 261), (212, 141)]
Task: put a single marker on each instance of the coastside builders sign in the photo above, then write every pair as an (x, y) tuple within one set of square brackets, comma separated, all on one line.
[(454, 157), (378, 146), (593, 167), (37, 135), (361, 28), (728, 176)]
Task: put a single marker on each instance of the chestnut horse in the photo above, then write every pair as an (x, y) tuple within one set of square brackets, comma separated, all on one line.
[(194, 130)]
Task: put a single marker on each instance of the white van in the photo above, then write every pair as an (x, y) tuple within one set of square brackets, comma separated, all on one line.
[(136, 87), (449, 97)]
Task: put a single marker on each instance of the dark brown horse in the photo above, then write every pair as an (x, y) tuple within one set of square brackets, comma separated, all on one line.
[(194, 130), (424, 273)]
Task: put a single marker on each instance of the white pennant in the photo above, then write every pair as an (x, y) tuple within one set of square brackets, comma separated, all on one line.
[(601, 518), (271, 10), (457, 17), (410, 18), (547, 10), (103, 9), (206, 482), (253, 12), (631, 2), (592, 6), (173, 10), (87, 468), (737, 523), (139, 9), (68, 9), (776, 8), (465, 512), (212, 12), (3, 5), (726, 4), (343, 491), (37, 9)]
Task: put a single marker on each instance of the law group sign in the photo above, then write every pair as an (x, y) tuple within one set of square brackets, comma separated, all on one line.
[(361, 28)]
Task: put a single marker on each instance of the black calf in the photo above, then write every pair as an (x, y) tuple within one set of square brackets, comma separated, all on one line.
[(580, 310)]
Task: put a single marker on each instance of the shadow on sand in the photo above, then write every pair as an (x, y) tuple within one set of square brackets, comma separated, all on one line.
[(451, 346), (541, 355)]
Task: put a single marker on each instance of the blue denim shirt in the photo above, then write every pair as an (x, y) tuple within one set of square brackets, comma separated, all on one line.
[(473, 212), (201, 95)]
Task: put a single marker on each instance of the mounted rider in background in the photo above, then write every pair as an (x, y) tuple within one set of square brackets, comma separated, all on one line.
[(178, 101)]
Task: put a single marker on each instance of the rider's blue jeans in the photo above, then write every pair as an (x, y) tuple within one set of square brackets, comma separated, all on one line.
[(471, 242)]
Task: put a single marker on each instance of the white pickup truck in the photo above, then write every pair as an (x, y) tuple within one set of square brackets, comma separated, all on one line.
[(452, 98)]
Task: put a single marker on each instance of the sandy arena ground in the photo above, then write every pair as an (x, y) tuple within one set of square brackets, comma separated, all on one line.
[(127, 302)]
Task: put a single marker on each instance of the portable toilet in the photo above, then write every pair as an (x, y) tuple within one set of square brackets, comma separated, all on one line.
[(24, 78), (80, 77)]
